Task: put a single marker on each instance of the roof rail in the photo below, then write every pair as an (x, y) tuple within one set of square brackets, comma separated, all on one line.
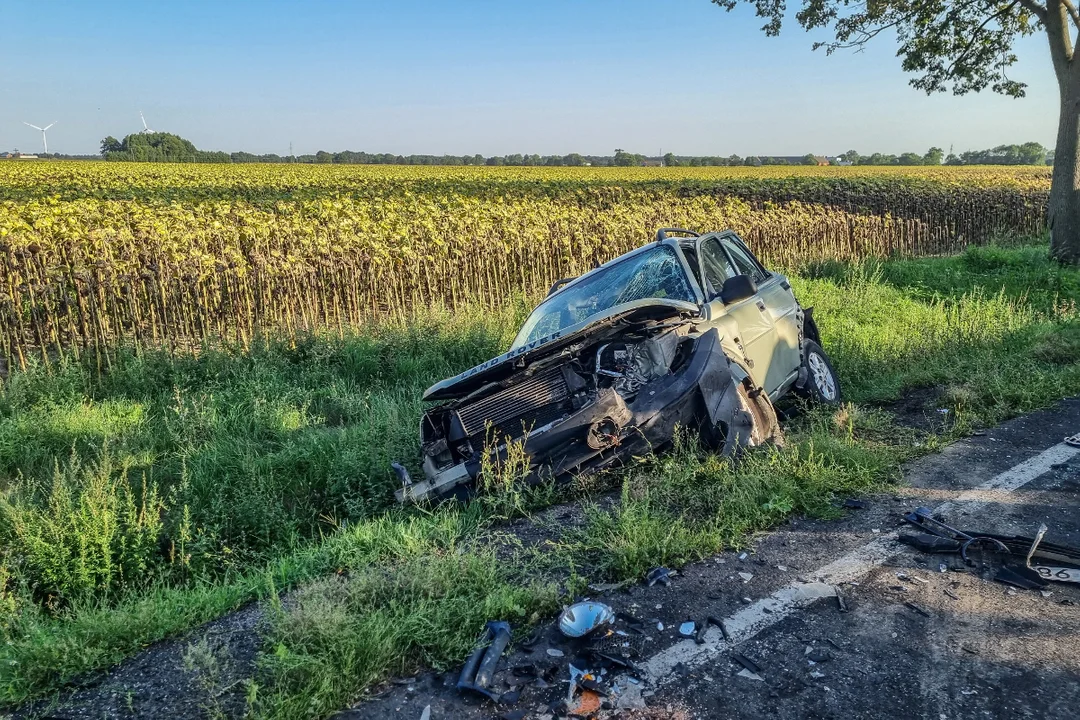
[(559, 283), (662, 233)]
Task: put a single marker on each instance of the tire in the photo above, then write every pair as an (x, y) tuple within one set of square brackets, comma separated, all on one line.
[(822, 384)]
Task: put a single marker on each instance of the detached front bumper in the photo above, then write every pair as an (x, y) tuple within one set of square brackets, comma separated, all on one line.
[(700, 394)]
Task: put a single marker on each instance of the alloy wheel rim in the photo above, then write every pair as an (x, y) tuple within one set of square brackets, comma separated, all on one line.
[(823, 378)]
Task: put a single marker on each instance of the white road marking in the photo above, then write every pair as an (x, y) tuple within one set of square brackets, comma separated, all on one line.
[(743, 625)]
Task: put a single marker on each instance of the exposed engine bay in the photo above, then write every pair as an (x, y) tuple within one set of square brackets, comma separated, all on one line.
[(617, 391)]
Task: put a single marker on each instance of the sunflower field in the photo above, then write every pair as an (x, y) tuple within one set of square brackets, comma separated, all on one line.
[(98, 255)]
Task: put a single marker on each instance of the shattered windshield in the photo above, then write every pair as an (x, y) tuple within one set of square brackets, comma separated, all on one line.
[(656, 273)]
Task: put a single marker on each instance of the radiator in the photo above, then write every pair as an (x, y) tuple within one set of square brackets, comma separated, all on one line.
[(529, 404)]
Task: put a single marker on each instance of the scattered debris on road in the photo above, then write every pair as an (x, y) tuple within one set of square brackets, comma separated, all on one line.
[(1042, 561)]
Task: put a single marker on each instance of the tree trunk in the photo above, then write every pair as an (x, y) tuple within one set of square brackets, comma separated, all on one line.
[(1064, 209)]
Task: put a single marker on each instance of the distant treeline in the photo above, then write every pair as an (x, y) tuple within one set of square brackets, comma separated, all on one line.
[(158, 147), (1030, 153), (166, 147)]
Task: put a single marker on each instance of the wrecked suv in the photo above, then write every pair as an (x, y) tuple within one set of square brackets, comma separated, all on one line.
[(688, 331)]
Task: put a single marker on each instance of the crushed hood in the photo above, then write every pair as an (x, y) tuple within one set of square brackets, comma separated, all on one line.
[(513, 360)]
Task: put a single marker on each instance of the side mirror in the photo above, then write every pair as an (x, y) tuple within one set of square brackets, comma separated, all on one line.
[(737, 288)]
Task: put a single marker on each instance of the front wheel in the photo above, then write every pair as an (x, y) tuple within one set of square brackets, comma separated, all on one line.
[(821, 384)]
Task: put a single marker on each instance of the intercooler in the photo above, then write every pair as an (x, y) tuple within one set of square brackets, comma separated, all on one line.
[(519, 408)]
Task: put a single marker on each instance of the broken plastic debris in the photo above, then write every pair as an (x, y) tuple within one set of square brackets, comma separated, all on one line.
[(782, 568), (583, 618), (659, 626), (588, 704), (742, 556), (746, 662), (658, 575), (1020, 577), (553, 652), (426, 715), (816, 675), (747, 577), (478, 670), (747, 674), (687, 629)]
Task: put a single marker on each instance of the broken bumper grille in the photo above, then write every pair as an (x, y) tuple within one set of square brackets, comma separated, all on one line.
[(519, 408)]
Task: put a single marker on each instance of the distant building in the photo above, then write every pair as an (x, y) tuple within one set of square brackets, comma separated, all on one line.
[(652, 163), (17, 156)]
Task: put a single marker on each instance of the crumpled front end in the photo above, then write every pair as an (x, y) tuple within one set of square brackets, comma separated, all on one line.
[(589, 406)]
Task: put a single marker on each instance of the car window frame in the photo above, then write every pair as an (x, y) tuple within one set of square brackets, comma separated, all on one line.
[(737, 241), (710, 289)]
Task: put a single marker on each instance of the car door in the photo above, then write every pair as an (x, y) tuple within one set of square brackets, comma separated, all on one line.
[(746, 324), (778, 302)]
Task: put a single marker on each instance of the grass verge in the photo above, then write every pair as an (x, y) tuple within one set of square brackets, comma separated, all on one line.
[(268, 469)]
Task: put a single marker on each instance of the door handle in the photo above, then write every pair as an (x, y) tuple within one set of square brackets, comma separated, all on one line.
[(785, 285), (761, 305)]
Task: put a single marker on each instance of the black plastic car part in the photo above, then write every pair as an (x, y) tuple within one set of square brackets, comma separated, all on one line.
[(663, 233)]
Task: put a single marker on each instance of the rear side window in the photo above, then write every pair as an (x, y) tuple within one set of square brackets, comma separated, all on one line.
[(744, 261), (716, 265)]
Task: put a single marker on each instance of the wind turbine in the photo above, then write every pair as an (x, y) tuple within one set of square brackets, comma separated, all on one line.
[(44, 140), (145, 129)]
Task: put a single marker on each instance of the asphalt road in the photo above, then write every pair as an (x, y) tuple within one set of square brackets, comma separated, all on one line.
[(915, 641)]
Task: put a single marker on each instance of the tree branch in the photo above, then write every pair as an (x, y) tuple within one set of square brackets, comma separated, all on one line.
[(1072, 12), (975, 34), (865, 36)]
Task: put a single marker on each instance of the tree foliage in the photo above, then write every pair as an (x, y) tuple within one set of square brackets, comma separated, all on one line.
[(1030, 153), (962, 46), (157, 147)]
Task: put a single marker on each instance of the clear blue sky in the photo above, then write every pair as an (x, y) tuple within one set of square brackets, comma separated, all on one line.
[(477, 76)]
